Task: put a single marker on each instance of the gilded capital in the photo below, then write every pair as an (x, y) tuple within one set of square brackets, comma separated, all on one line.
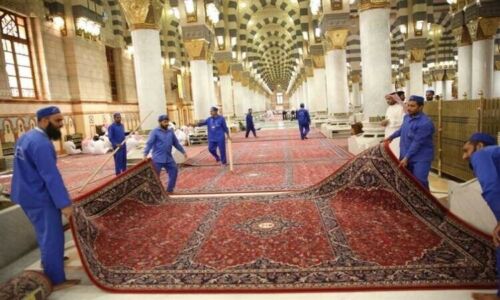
[(417, 55), (373, 4), (336, 39), (497, 65), (483, 28), (236, 75), (142, 14), (197, 49), (438, 75), (223, 67), (318, 61), (462, 36), (245, 79), (355, 77)]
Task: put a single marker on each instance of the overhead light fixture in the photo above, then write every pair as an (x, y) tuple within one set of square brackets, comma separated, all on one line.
[(305, 35), (213, 13), (190, 7), (233, 41), (86, 27), (172, 61), (300, 51), (402, 28), (234, 54), (419, 26), (220, 42), (243, 5), (130, 50), (243, 55), (175, 12), (429, 26), (317, 32)]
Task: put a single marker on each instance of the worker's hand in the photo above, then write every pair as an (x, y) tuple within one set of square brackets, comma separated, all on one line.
[(185, 155), (229, 138), (404, 163), (387, 140), (496, 235), (384, 122), (67, 212)]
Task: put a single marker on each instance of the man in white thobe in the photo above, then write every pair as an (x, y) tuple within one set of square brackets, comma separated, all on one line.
[(393, 119)]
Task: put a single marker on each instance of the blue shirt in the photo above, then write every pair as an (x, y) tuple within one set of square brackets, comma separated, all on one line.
[(303, 116), (216, 128), (416, 138), (116, 134), (36, 181), (249, 120), (161, 141), (486, 166)]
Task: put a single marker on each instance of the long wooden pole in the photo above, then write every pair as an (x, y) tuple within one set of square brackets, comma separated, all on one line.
[(230, 154), (111, 155)]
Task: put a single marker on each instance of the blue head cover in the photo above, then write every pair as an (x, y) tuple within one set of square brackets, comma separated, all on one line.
[(418, 99), (163, 118), (484, 138), (430, 91), (47, 111), (214, 108), (116, 114)]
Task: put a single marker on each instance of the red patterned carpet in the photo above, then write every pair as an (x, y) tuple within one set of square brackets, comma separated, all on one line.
[(276, 134), (367, 226)]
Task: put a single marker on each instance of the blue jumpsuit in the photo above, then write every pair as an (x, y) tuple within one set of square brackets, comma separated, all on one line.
[(486, 166), (116, 135), (250, 126), (416, 145), (216, 139), (304, 121), (38, 188), (161, 141)]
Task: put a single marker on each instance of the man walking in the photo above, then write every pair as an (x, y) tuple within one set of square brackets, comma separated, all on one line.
[(38, 188), (416, 147), (116, 135), (304, 121), (217, 129), (161, 140), (249, 124)]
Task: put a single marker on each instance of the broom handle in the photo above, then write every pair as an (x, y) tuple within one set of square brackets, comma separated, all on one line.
[(230, 150), (111, 155)]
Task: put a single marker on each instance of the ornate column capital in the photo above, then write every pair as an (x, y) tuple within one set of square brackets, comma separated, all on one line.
[(245, 78), (197, 49), (142, 14), (450, 74), (373, 4), (336, 38), (497, 65), (318, 61), (355, 76), (483, 28), (462, 36), (308, 63), (417, 55), (236, 70), (438, 75), (223, 67)]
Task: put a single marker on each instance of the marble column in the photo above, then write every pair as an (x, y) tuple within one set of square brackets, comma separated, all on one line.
[(496, 90), (416, 72), (355, 95), (447, 87), (482, 68), (201, 88), (318, 91), (147, 59), (337, 89), (310, 94), (239, 96), (148, 75), (374, 27), (226, 92)]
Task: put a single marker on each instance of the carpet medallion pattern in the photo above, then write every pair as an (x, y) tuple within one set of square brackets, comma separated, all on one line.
[(367, 226)]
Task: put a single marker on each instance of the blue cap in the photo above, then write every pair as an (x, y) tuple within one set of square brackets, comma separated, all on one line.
[(418, 99), (484, 138), (47, 111), (116, 114), (163, 118), (214, 108), (430, 91)]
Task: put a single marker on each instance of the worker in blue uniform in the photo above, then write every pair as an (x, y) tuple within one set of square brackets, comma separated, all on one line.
[(416, 146), (304, 121), (116, 135), (217, 129), (483, 154), (161, 139), (249, 124), (38, 188)]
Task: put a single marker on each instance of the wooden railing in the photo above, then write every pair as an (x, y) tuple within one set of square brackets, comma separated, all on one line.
[(455, 121)]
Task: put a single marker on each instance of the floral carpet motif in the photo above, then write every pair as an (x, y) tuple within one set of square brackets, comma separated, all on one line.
[(367, 226), (276, 134)]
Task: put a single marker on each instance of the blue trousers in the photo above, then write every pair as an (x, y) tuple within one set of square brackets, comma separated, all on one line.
[(171, 168), (252, 129), (121, 160), (50, 237), (212, 148), (304, 130), (421, 169)]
